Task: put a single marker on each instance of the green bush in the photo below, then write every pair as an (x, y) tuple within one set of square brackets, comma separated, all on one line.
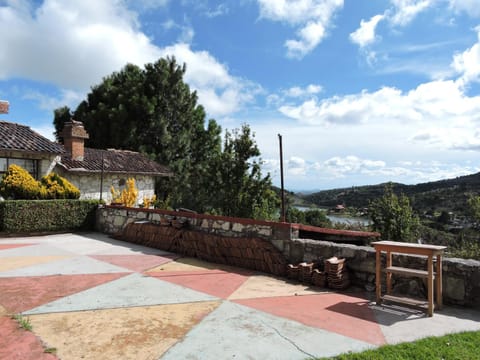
[(23, 216), (316, 217)]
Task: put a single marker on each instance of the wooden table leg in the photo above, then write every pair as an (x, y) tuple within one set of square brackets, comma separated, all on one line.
[(438, 282), (378, 274), (430, 285), (389, 275)]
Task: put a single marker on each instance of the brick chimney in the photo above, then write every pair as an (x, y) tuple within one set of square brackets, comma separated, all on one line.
[(74, 136)]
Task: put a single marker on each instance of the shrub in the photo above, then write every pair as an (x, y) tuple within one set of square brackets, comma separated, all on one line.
[(127, 196), (17, 183), (317, 217), (149, 201), (58, 187), (23, 216), (165, 204)]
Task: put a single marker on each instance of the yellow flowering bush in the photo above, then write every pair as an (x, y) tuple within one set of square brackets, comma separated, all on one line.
[(127, 196), (149, 201), (57, 187), (17, 183)]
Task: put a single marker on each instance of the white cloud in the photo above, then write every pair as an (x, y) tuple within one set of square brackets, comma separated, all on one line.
[(297, 91), (471, 7), (329, 157), (220, 10), (312, 18), (365, 34), (455, 138), (436, 119), (406, 10), (341, 166), (438, 102), (386, 103), (400, 14), (64, 39), (74, 45), (218, 91), (45, 130), (149, 4), (467, 63), (296, 166), (186, 31), (348, 166), (186, 35), (67, 97), (310, 36)]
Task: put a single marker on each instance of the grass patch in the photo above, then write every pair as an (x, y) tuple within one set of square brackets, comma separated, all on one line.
[(461, 346), (23, 322), (50, 350)]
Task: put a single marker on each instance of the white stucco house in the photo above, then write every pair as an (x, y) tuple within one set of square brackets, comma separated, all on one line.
[(93, 171)]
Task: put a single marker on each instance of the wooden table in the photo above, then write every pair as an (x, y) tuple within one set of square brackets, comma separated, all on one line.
[(430, 274)]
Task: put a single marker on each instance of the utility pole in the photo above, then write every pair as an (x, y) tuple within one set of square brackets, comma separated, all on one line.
[(283, 218), (101, 177)]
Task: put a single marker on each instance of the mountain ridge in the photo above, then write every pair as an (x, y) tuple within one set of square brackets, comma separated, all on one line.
[(441, 195)]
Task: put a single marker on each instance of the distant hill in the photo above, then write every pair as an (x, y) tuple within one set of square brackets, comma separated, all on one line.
[(448, 195)]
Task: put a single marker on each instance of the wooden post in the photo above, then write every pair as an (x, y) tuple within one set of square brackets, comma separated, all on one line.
[(378, 275), (438, 281), (389, 274), (430, 285)]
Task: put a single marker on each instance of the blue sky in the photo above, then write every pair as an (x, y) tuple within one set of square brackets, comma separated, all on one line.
[(362, 91)]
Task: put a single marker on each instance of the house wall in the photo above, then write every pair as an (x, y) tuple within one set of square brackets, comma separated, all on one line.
[(89, 184)]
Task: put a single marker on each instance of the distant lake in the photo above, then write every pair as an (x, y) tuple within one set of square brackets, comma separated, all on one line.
[(342, 219)]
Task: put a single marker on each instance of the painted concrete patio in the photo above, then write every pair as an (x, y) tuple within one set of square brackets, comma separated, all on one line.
[(88, 296)]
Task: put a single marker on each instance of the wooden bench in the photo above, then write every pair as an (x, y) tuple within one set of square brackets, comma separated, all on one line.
[(432, 273)]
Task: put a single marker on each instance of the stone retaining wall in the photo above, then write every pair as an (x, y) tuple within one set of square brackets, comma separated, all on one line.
[(461, 277), (229, 240), (250, 253), (113, 220)]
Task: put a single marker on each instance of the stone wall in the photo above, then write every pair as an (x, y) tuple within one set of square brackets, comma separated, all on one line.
[(250, 253), (461, 278), (113, 220)]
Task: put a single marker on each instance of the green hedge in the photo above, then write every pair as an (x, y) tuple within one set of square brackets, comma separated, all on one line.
[(23, 216)]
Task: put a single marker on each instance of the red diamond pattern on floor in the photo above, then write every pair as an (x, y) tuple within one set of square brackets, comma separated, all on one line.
[(136, 262), (213, 282), (23, 293), (340, 313)]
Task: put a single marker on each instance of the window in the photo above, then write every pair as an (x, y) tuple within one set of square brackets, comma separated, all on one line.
[(30, 165)]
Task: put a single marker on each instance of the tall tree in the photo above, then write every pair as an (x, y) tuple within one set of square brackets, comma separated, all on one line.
[(152, 110), (243, 191), (115, 110), (60, 117), (393, 216), (473, 203)]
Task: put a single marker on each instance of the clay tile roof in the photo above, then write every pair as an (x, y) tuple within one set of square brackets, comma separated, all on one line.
[(115, 161), (21, 138)]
